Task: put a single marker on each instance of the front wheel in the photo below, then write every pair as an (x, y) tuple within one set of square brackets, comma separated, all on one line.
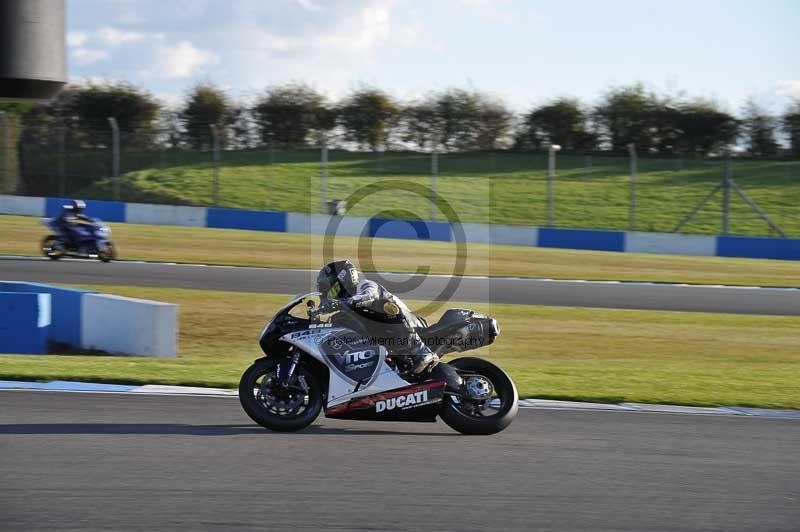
[(489, 403), (275, 407), (108, 253), (52, 248)]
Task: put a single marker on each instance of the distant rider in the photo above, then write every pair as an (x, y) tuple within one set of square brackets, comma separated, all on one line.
[(71, 217), (341, 285)]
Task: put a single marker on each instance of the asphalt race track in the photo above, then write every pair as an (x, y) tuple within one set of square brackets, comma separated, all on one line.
[(497, 290), (74, 461)]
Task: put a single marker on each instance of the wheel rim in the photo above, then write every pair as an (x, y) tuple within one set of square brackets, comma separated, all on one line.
[(287, 402), (487, 401), (49, 249)]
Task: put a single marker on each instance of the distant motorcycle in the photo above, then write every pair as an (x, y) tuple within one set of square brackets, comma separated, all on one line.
[(86, 241), (313, 364)]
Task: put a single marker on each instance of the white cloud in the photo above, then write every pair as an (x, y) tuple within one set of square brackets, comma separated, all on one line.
[(115, 37), (130, 17), (477, 3), (181, 61), (76, 38), (359, 32), (87, 56), (310, 5), (789, 88)]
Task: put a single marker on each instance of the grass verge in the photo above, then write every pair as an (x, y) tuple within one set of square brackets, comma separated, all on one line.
[(21, 236), (551, 352), (493, 187)]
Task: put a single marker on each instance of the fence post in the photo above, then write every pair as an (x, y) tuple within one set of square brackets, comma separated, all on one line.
[(323, 184), (551, 174), (4, 133), (726, 193), (634, 179), (162, 155), (114, 155), (434, 181), (62, 163), (215, 160)]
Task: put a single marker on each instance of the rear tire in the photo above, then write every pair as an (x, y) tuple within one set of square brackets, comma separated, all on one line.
[(259, 410), (48, 247), (455, 416)]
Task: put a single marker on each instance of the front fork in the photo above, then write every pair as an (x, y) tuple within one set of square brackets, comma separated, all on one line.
[(286, 371)]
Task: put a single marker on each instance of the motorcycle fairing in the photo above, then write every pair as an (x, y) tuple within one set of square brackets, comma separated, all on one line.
[(95, 233), (374, 378), (416, 402)]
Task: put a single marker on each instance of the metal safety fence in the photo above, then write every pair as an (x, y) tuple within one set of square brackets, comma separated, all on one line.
[(727, 194)]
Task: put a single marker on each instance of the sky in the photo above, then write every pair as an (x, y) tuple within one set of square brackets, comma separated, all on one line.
[(526, 52)]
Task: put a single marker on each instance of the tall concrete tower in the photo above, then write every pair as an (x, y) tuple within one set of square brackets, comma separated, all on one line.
[(32, 49)]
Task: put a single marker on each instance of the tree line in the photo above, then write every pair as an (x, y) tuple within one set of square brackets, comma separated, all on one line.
[(296, 115)]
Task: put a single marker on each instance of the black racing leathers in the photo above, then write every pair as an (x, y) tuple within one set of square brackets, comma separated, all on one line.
[(386, 316)]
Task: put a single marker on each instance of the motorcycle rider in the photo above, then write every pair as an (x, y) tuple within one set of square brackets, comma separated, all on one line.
[(71, 216), (343, 286)]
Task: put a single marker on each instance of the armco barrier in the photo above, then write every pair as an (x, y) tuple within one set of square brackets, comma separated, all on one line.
[(550, 237), (66, 304), (22, 205), (129, 326), (758, 248), (109, 211), (142, 213), (241, 219), (24, 322), (632, 242), (670, 243), (409, 229)]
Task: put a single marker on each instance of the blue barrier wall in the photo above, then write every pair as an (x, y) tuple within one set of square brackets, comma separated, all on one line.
[(637, 242), (108, 211), (550, 237), (241, 219), (66, 306), (24, 322), (758, 248), (409, 229)]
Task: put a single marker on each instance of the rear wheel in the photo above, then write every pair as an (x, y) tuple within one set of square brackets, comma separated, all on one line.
[(51, 247), (489, 403), (275, 407)]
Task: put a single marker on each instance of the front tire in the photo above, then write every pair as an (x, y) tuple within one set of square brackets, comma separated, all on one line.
[(108, 254), (275, 408), (470, 417), (50, 248)]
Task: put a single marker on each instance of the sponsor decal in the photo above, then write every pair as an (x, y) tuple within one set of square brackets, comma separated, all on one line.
[(392, 401), (357, 360), (391, 308), (304, 334), (403, 402), (320, 325), (351, 357)]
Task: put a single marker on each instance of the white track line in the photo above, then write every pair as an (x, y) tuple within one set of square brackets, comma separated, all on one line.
[(441, 276), (539, 404)]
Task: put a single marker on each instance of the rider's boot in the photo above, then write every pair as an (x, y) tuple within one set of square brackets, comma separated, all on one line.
[(423, 358), (423, 362), (448, 373)]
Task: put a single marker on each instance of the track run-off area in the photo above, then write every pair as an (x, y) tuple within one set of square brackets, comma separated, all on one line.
[(521, 291), (90, 462), (107, 461)]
